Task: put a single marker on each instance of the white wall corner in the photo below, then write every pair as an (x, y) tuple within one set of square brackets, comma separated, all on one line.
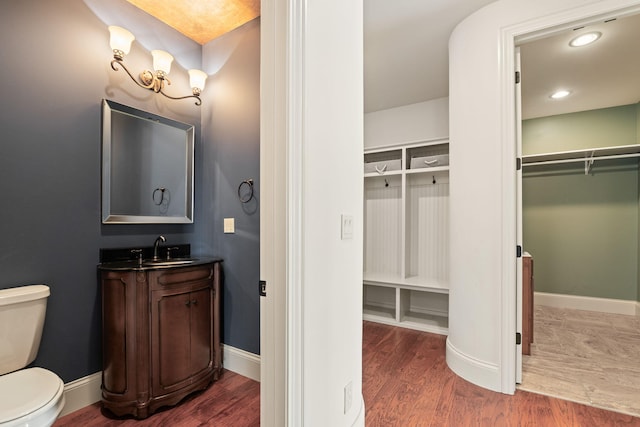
[(241, 362), (82, 392)]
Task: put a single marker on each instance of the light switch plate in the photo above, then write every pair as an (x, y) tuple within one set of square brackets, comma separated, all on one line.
[(346, 226), (229, 225)]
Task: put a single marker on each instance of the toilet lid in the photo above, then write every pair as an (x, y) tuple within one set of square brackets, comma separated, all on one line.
[(26, 391)]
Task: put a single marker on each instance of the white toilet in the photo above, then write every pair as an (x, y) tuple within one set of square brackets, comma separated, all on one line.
[(30, 397)]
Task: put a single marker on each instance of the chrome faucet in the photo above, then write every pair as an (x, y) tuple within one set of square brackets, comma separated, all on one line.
[(155, 247)]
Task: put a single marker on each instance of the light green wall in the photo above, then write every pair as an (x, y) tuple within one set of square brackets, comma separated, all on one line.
[(588, 129), (582, 230)]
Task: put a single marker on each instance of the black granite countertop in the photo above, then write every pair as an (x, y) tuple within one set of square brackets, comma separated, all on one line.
[(156, 265)]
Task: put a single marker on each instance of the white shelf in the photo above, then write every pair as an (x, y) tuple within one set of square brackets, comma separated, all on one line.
[(421, 322), (415, 283), (582, 155), (435, 169), (407, 240), (378, 175), (379, 312)]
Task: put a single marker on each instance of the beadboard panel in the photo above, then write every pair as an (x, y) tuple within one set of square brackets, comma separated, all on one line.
[(428, 222), (383, 227)]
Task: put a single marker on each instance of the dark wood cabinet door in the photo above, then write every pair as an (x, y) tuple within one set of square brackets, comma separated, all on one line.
[(201, 331), (182, 338), (170, 340)]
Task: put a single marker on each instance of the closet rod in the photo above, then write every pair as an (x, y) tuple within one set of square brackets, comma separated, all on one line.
[(579, 159)]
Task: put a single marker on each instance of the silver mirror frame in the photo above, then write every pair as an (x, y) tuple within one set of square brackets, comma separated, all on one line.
[(108, 217)]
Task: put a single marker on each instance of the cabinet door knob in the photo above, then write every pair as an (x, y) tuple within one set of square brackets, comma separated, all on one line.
[(188, 303), (194, 302)]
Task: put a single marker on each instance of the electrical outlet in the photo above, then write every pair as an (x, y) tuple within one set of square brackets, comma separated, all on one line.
[(229, 225), (346, 227), (348, 397)]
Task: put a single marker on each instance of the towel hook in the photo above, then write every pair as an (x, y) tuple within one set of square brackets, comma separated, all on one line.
[(249, 194), (153, 195)]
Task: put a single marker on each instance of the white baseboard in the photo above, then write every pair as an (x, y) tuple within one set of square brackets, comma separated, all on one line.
[(472, 369), (82, 392), (241, 362), (86, 391), (604, 305)]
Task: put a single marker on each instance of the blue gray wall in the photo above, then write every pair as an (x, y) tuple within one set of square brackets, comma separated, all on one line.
[(231, 122), (55, 58)]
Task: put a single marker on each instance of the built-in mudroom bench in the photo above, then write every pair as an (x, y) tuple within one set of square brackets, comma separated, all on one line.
[(406, 235)]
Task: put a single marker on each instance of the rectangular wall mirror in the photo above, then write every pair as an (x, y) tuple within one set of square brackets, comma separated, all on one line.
[(147, 167)]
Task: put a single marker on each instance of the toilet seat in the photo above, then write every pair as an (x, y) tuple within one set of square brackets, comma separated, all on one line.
[(30, 397)]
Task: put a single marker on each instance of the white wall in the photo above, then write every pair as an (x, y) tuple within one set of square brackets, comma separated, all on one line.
[(410, 123), (311, 171), (481, 342), (332, 185)]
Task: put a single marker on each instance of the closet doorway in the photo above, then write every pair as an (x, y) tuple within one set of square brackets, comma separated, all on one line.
[(581, 213)]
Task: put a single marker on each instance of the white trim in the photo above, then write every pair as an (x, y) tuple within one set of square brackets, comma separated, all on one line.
[(86, 391), (547, 24), (273, 213), (359, 421), (241, 362), (82, 392), (576, 302), (472, 369), (296, 138)]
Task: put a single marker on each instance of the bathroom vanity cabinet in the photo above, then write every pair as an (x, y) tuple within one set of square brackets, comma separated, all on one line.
[(161, 334)]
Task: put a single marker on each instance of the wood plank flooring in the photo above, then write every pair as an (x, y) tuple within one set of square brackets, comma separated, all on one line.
[(586, 357), (233, 400), (406, 383)]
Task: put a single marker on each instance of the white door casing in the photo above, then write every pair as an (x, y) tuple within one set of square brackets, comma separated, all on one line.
[(311, 173), (518, 142), (482, 128)]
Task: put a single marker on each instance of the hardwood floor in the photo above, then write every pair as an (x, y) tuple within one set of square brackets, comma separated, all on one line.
[(406, 382), (233, 400)]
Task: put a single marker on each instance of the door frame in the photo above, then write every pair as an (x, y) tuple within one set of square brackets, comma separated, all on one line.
[(275, 221), (510, 37)]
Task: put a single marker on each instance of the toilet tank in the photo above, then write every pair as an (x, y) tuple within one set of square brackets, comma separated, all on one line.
[(22, 311)]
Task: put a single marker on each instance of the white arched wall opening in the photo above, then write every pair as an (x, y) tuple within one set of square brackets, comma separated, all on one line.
[(482, 301)]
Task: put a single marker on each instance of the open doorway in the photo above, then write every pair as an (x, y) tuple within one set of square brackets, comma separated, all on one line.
[(580, 213)]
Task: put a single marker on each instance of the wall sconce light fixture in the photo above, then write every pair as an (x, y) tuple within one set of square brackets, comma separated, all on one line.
[(153, 80)]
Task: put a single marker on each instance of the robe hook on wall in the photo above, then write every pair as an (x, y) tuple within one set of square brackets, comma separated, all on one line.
[(160, 198), (249, 192)]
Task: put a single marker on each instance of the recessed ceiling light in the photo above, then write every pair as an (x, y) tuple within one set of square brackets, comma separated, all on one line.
[(560, 94), (585, 39)]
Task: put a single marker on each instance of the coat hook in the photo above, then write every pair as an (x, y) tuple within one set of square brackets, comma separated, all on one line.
[(434, 178), (248, 195), (386, 183)]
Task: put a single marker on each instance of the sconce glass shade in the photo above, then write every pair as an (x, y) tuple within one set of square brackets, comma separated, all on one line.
[(197, 79), (120, 39), (162, 61)]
